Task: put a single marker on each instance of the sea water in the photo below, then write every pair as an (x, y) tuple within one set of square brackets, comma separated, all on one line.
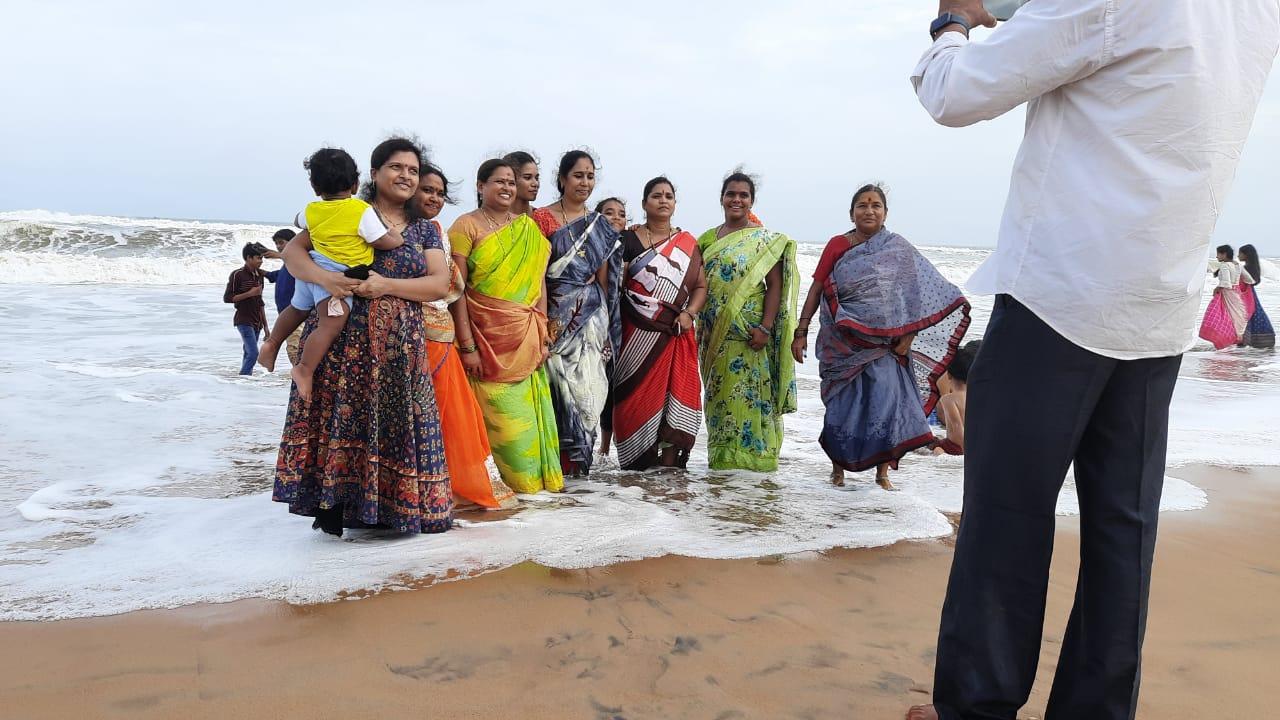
[(136, 465)]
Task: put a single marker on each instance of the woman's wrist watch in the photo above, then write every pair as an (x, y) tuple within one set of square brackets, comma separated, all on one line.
[(946, 19)]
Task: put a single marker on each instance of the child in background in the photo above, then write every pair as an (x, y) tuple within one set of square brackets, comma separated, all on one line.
[(952, 405), (244, 290), (344, 231)]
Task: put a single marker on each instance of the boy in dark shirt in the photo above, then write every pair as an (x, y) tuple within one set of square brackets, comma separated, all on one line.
[(244, 289)]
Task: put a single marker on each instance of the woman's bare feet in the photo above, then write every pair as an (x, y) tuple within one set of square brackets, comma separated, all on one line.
[(922, 712), (837, 476), (882, 479), (301, 375), (267, 354)]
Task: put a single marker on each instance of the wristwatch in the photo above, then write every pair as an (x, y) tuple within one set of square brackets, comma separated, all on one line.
[(946, 19)]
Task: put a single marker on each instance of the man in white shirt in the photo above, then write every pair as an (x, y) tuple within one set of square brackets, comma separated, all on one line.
[(1137, 112)]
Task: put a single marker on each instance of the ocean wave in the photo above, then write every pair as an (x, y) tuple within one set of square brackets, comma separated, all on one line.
[(61, 219), (43, 247)]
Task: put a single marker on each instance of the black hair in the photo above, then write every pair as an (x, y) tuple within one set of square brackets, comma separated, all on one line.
[(649, 186), (284, 235), (870, 187), (739, 176), (411, 205), (600, 205), (1251, 263), (382, 153), (486, 171), (519, 159), (252, 249), (332, 171), (1227, 250), (962, 363), (567, 161), (430, 168)]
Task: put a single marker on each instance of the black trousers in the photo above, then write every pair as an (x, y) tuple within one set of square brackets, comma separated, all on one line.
[(1037, 403)]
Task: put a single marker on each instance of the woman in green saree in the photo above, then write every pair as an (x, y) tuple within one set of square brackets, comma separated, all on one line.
[(501, 331), (747, 369)]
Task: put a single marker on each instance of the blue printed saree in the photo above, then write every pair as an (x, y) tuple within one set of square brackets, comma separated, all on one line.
[(877, 401)]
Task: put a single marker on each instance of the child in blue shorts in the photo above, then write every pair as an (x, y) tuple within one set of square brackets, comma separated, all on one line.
[(345, 231)]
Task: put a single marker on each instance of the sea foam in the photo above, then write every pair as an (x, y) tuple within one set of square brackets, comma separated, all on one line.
[(136, 466)]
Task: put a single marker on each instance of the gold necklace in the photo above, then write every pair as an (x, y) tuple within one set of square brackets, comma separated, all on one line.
[(720, 231), (386, 217), (648, 234), (565, 213), (493, 225)]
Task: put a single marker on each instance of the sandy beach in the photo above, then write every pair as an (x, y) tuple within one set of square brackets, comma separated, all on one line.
[(843, 634)]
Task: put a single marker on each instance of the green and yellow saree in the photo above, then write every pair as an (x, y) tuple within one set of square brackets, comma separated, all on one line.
[(747, 391), (505, 268)]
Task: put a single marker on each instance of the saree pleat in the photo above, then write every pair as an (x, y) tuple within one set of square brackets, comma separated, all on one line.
[(466, 440), (657, 389), (747, 391), (876, 401), (585, 328), (505, 273)]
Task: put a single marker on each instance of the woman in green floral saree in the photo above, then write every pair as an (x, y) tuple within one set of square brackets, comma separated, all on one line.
[(747, 367)]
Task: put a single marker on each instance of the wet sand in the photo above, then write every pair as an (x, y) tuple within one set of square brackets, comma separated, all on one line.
[(843, 634)]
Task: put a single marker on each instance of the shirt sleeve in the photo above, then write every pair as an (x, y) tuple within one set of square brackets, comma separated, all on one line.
[(1047, 44), (460, 238), (271, 275), (371, 228), (300, 220), (830, 254), (547, 223), (1215, 267), (244, 282)]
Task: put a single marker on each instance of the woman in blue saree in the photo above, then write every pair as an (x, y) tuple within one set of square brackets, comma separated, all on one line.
[(890, 324), (583, 278), (1258, 332)]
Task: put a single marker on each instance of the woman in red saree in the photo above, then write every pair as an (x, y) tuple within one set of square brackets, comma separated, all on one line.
[(656, 386)]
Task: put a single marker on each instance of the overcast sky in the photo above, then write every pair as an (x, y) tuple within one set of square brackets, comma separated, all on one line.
[(206, 110)]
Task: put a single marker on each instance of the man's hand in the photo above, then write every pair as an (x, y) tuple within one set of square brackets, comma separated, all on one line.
[(972, 10)]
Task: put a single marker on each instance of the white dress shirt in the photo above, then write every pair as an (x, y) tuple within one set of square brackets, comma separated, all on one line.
[(1137, 114)]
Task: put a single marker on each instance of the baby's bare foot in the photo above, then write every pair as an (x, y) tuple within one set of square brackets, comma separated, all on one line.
[(301, 375), (267, 355), (922, 712)]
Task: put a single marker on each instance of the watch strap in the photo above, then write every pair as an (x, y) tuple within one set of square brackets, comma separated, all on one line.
[(946, 19)]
